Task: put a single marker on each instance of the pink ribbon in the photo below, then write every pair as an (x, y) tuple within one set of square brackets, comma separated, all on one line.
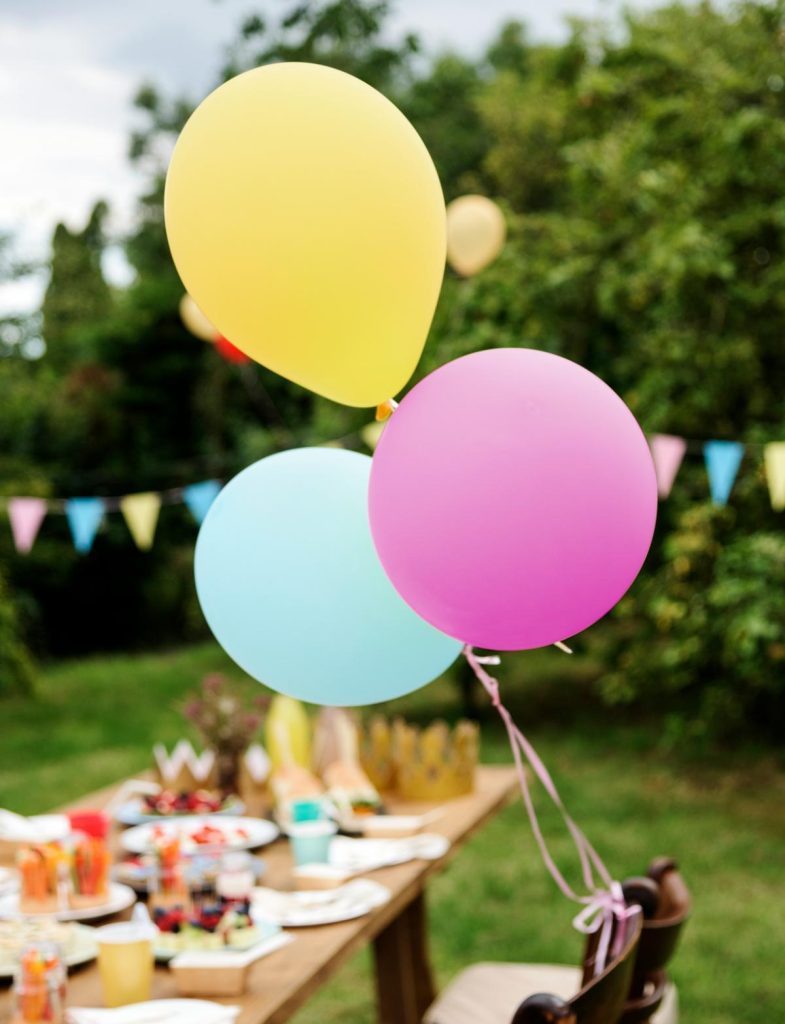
[(604, 905)]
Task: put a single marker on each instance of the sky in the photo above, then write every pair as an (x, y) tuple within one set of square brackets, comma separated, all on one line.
[(69, 71)]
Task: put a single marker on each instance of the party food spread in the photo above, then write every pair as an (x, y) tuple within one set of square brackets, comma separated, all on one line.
[(168, 803), (56, 876)]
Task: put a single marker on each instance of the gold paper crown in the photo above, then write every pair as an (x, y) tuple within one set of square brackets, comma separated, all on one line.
[(433, 764), (184, 771)]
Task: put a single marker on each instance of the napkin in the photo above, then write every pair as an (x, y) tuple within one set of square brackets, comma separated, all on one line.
[(369, 854), (41, 829), (160, 1011)]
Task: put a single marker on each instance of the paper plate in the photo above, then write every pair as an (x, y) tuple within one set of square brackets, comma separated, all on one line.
[(133, 813), (120, 897), (240, 833), (307, 909)]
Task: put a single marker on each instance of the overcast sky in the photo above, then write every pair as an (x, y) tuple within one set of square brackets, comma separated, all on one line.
[(69, 69)]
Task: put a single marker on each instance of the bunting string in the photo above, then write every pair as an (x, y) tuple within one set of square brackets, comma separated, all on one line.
[(85, 515)]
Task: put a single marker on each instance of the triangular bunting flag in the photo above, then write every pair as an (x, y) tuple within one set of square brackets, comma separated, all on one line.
[(723, 459), (199, 497), (141, 515), (667, 452), (774, 461), (26, 516), (84, 517)]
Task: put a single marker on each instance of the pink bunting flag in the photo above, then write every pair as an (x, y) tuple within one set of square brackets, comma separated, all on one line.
[(26, 516), (667, 451)]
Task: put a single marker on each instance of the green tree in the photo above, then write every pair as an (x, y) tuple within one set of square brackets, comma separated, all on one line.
[(77, 295)]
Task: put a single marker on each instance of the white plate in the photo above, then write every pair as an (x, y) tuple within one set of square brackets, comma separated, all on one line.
[(305, 909), (258, 833), (158, 1011), (120, 897), (80, 950), (47, 828), (370, 854), (132, 813)]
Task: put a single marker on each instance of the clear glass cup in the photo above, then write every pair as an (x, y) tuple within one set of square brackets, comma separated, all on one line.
[(39, 985)]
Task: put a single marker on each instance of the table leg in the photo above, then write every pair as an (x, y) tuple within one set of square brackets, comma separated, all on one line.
[(404, 985)]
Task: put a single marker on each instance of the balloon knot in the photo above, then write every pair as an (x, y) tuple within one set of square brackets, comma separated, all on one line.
[(385, 410)]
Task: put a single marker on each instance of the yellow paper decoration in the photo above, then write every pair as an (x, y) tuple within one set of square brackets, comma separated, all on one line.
[(306, 218), (287, 733), (141, 515), (476, 230), (774, 461)]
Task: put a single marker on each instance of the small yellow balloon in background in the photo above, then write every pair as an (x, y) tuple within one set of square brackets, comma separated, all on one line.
[(195, 320), (306, 218), (476, 230)]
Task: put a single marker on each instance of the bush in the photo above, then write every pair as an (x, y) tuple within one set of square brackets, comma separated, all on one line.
[(708, 630), (16, 666)]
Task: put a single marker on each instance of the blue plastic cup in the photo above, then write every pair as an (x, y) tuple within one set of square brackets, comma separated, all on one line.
[(311, 841)]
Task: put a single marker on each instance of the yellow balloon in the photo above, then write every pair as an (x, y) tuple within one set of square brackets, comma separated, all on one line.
[(476, 230), (195, 320), (306, 218)]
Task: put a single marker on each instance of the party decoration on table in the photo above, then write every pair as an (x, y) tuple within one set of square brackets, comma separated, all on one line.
[(199, 497), (26, 516), (230, 353), (476, 231), (528, 523), (287, 732), (255, 773), (285, 554), (774, 460), (184, 771), (434, 763), (141, 514), (84, 518), (288, 739), (195, 320), (316, 240), (667, 452), (723, 459)]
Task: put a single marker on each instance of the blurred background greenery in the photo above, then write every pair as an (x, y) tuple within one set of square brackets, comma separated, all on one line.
[(640, 168)]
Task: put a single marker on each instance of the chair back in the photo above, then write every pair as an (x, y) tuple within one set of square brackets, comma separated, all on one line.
[(600, 1000), (662, 927)]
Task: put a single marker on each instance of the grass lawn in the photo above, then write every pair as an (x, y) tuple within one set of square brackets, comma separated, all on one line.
[(94, 721)]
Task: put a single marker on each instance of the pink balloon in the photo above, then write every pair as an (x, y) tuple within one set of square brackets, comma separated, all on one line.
[(512, 498)]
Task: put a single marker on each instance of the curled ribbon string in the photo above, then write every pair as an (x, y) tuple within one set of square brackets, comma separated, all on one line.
[(604, 905)]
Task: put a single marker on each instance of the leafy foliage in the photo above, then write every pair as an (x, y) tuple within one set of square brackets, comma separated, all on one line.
[(641, 173)]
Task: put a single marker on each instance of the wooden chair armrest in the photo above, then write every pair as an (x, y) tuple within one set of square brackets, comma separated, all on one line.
[(641, 1010), (544, 1009)]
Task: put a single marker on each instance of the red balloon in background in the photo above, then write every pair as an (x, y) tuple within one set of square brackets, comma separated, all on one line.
[(226, 350)]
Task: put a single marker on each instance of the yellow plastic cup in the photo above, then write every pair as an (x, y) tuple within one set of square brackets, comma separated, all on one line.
[(125, 962)]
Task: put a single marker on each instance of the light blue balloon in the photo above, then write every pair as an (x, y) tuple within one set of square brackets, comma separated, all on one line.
[(292, 588)]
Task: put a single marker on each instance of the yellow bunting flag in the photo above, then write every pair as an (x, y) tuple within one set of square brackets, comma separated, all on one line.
[(774, 459), (141, 515)]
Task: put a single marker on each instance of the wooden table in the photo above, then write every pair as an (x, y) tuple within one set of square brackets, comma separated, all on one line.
[(281, 983)]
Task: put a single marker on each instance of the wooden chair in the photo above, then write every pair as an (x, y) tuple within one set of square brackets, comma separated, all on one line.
[(492, 993), (652, 996)]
